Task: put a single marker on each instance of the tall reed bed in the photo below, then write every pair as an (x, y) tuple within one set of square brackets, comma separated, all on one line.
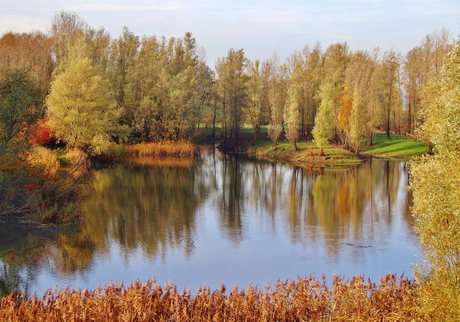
[(304, 299), (168, 148)]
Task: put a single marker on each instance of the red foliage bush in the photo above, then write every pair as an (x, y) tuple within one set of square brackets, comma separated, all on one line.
[(40, 133)]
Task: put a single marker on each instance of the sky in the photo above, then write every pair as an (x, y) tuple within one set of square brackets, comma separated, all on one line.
[(259, 27)]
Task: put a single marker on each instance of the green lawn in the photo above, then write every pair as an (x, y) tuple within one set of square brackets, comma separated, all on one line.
[(396, 147)]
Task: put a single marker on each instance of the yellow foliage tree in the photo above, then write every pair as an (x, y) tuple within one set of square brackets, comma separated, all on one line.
[(81, 109), (345, 109), (436, 186)]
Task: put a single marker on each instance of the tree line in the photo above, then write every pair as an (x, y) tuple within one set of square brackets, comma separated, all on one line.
[(91, 91)]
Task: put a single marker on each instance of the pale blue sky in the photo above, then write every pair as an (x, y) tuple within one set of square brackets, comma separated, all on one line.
[(259, 27)]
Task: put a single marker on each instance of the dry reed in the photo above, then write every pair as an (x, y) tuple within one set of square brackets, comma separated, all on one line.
[(168, 148), (305, 299)]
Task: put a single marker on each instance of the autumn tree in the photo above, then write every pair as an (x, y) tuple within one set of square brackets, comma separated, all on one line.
[(422, 66), (81, 110), (324, 128), (18, 101), (391, 95), (362, 75), (435, 182), (292, 118), (29, 51), (336, 60), (66, 28), (313, 75), (254, 110), (345, 112), (276, 98), (233, 78), (357, 121)]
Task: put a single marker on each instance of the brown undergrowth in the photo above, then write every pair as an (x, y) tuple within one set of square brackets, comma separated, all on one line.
[(304, 299), (168, 148)]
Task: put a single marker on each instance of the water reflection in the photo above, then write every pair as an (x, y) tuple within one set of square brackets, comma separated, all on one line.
[(226, 220)]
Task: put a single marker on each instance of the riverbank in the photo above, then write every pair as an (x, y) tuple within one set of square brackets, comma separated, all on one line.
[(397, 147)]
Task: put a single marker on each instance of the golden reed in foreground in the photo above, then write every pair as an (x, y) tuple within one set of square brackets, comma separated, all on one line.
[(306, 299)]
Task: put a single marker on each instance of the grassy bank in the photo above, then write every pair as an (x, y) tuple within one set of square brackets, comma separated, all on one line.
[(306, 299), (396, 147)]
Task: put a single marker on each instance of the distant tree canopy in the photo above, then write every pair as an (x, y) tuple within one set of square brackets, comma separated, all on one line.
[(162, 89)]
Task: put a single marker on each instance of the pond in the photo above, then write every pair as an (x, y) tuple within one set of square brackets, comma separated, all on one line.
[(222, 219)]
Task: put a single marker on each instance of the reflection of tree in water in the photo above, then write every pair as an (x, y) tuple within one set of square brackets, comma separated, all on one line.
[(135, 206), (150, 207), (25, 250), (348, 205), (352, 204), (230, 197)]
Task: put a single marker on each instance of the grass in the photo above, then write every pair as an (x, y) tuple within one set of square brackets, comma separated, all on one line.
[(397, 147), (304, 299)]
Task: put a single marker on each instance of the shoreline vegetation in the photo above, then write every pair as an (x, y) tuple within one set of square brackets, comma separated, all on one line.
[(304, 299)]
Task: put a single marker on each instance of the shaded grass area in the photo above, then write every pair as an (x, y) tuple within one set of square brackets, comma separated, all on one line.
[(304, 299), (396, 147)]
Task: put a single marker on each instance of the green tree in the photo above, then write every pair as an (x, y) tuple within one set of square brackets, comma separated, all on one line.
[(81, 109), (436, 191)]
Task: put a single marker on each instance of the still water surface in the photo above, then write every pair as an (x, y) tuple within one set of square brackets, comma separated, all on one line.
[(226, 220)]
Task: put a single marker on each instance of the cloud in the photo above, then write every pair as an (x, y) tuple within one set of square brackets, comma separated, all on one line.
[(20, 24), (110, 7)]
